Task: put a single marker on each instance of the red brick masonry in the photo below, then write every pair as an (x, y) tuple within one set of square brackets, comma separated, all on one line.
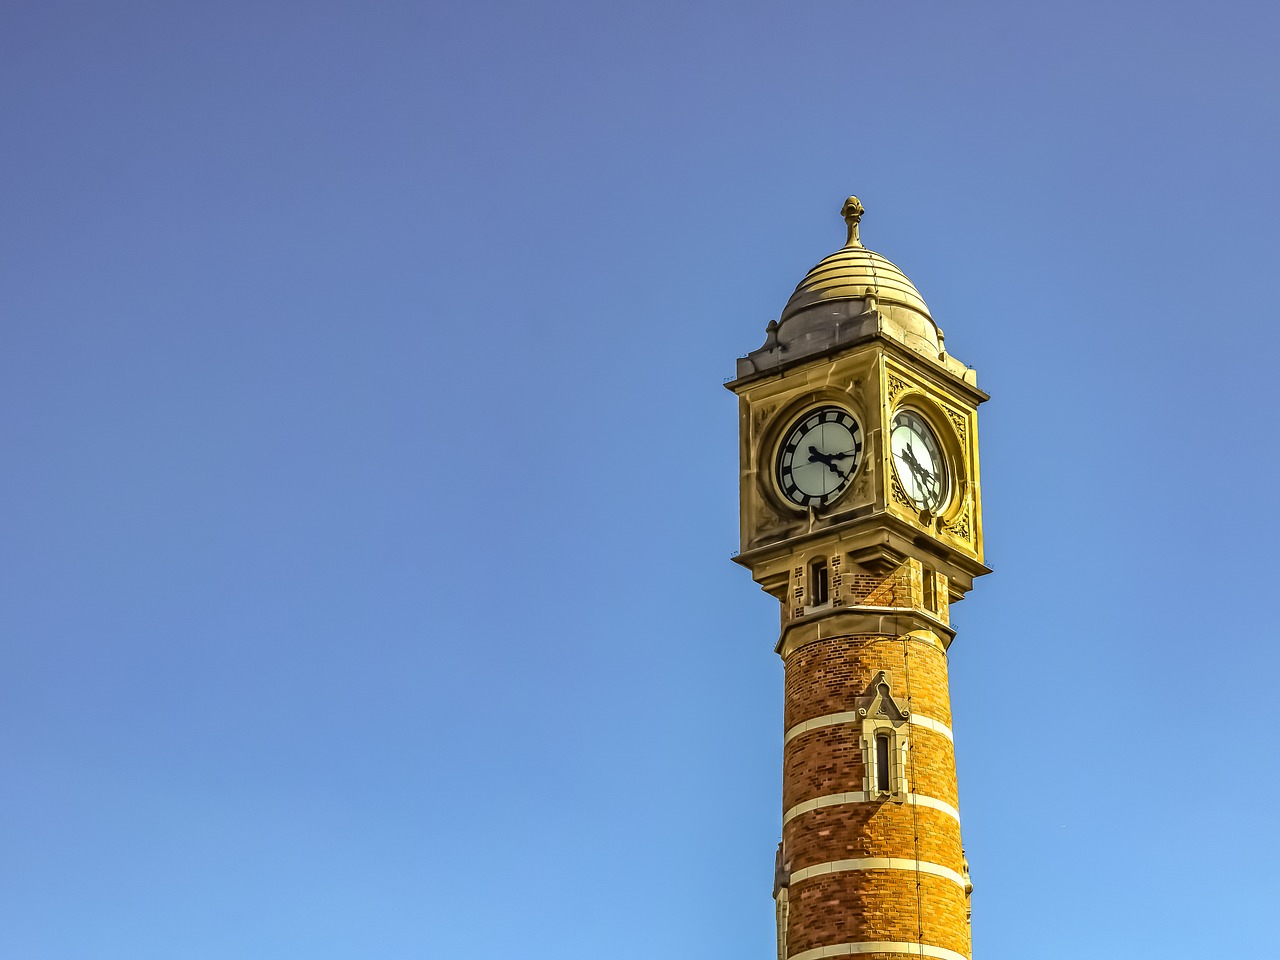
[(829, 676)]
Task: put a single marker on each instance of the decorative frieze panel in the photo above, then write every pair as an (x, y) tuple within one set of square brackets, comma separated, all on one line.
[(960, 526), (959, 421), (895, 386)]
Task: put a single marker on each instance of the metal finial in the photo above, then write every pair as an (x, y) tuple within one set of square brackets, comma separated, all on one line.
[(852, 212)]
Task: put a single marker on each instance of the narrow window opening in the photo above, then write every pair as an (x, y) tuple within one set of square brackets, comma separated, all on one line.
[(819, 582), (882, 762), (930, 590)]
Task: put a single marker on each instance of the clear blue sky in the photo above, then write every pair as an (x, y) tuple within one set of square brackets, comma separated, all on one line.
[(369, 486)]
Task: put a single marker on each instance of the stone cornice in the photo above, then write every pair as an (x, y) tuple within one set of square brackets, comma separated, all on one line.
[(877, 538), (853, 621), (918, 363)]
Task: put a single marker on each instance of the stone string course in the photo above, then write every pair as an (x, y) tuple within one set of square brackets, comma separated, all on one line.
[(869, 906)]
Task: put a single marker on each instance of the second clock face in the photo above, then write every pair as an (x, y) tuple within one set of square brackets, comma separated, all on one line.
[(917, 457), (819, 456)]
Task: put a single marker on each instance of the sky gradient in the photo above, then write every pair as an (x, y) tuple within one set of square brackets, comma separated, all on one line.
[(370, 487)]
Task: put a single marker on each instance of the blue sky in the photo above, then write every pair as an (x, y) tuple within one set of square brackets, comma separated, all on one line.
[(370, 487)]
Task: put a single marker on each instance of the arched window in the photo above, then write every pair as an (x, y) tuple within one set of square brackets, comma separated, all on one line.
[(883, 765)]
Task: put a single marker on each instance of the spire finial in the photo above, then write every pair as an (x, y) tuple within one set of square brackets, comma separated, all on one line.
[(852, 212)]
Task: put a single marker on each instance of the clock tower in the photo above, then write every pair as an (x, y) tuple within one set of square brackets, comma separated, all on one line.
[(861, 512)]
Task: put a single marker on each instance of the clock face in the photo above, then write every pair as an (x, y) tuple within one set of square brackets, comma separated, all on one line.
[(917, 457), (819, 456)]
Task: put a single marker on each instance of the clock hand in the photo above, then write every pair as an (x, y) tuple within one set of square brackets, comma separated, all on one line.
[(840, 456), (917, 467), (926, 478), (910, 460), (817, 456), (829, 459)]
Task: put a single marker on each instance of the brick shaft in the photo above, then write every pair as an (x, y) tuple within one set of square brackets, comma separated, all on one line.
[(908, 905)]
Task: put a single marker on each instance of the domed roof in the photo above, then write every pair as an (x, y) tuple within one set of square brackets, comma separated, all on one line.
[(850, 297), (847, 273)]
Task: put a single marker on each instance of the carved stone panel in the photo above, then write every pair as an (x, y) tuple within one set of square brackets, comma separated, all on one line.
[(900, 495), (958, 421), (895, 386)]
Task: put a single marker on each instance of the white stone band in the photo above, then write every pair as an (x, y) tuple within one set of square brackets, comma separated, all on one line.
[(851, 716), (878, 863), (882, 946), (860, 796)]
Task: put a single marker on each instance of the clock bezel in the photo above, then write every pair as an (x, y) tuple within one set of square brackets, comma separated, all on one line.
[(788, 425)]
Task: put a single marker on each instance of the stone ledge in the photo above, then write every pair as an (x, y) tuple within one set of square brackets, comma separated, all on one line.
[(853, 621)]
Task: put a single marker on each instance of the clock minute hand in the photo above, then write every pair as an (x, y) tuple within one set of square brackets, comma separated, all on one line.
[(841, 456)]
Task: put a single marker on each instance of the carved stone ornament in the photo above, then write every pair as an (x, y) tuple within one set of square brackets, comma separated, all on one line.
[(862, 485), (878, 701), (959, 527), (958, 421), (781, 894), (900, 495), (895, 387), (781, 870), (761, 417)]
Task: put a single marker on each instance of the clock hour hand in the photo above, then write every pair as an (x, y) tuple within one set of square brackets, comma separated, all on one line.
[(817, 456)]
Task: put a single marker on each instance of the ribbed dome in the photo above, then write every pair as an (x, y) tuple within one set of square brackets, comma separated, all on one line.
[(849, 298), (847, 273)]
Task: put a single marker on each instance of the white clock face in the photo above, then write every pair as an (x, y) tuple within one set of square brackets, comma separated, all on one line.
[(917, 457), (819, 456)]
